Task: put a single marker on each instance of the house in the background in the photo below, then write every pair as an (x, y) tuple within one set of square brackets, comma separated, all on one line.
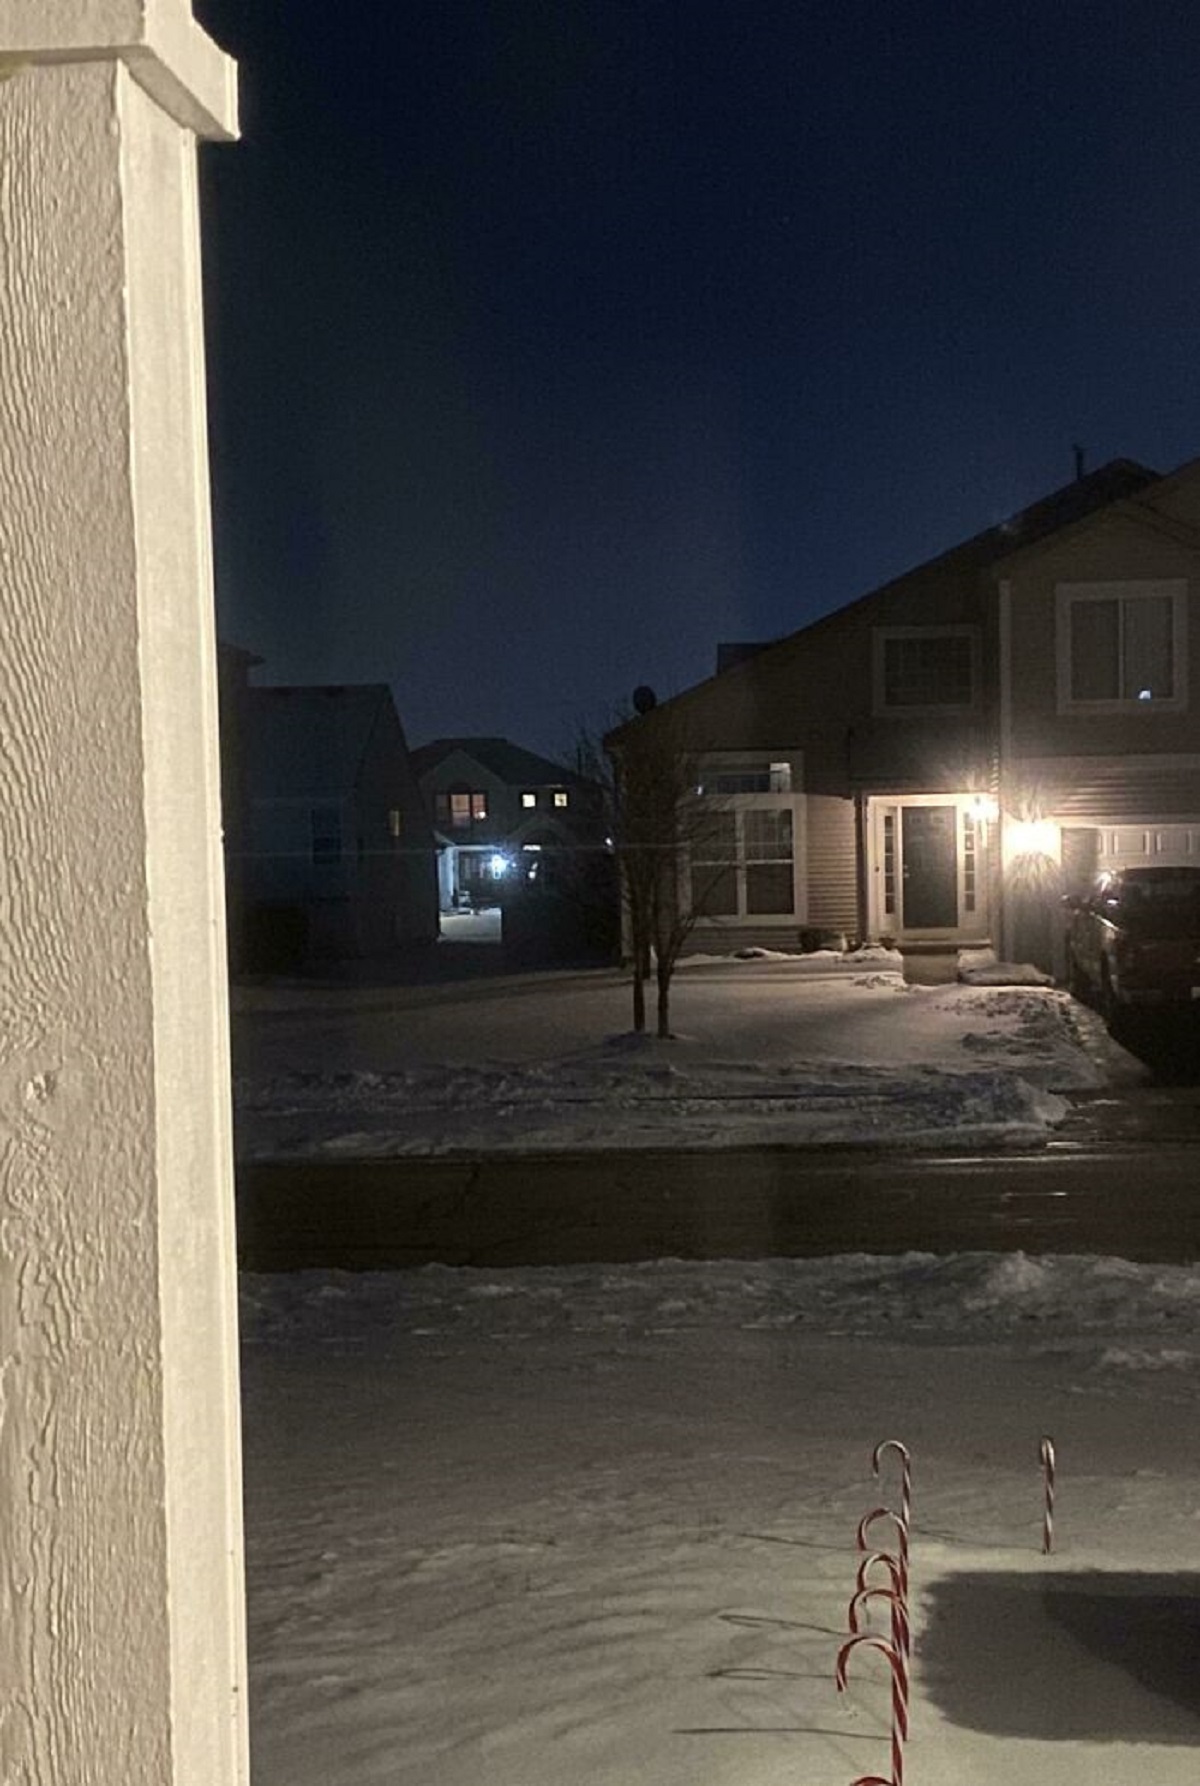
[(501, 814), (517, 830), (328, 846), (936, 762)]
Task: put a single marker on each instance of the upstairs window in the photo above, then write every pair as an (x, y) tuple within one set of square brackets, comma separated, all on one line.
[(561, 797), (926, 669), (460, 809), (1121, 646), (528, 799)]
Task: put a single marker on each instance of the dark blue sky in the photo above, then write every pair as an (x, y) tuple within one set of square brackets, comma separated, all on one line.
[(552, 341)]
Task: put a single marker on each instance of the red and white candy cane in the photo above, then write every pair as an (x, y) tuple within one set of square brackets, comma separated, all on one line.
[(901, 1638), (899, 1703), (1049, 1465), (864, 1526), (902, 1452), (870, 1561)]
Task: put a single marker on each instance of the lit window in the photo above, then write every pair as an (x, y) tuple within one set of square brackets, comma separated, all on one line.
[(1121, 645), (528, 799), (394, 821), (467, 809), (923, 669), (560, 797)]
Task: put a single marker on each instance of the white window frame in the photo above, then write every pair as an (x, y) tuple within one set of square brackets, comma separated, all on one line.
[(1067, 595), (945, 709), (740, 804)]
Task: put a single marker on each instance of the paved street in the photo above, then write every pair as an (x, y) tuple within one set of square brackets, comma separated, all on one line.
[(1120, 1176), (1077, 1195)]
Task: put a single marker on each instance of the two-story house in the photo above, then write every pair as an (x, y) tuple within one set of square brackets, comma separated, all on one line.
[(935, 762), (501, 814), (329, 851)]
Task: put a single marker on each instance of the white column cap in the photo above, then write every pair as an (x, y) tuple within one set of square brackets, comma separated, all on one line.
[(163, 47)]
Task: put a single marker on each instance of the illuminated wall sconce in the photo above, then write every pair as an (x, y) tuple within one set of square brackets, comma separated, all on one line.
[(1032, 837)]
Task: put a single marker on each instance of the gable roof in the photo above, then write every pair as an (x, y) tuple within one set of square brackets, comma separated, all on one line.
[(1112, 483), (309, 742), (510, 763)]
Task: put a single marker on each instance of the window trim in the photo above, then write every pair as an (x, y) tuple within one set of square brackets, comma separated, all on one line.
[(927, 710), (738, 806), (1066, 595)]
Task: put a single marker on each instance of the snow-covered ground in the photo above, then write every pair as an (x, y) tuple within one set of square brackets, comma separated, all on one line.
[(595, 1525), (797, 1050)]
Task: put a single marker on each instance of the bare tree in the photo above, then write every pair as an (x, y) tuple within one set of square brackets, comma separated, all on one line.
[(670, 845)]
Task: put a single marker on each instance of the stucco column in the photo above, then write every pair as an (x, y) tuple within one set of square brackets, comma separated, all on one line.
[(121, 1614)]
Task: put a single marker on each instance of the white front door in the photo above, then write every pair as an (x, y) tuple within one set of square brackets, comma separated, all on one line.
[(927, 866)]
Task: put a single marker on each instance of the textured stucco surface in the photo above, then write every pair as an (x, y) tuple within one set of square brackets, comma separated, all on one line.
[(120, 1617)]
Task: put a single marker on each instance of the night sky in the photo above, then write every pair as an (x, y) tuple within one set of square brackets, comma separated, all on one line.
[(552, 341)]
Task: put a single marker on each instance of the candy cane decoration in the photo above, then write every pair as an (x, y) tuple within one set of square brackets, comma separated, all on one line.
[(869, 1562), (902, 1452), (865, 1524), (899, 1703), (1049, 1465), (901, 1637)]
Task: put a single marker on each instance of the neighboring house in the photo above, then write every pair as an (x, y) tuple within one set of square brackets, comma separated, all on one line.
[(503, 817), (329, 851), (935, 762)]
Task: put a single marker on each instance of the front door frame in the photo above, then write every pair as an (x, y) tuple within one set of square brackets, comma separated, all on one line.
[(885, 868)]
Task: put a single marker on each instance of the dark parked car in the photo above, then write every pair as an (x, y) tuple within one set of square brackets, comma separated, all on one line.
[(1134, 940)]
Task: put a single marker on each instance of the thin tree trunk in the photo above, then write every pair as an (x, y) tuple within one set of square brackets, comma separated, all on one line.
[(664, 1001), (639, 998)]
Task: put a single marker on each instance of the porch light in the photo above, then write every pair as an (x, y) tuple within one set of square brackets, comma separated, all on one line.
[(984, 808), (499, 866), (1032, 837)]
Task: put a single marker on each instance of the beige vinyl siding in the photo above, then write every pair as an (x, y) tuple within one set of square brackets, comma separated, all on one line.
[(1114, 789), (832, 890)]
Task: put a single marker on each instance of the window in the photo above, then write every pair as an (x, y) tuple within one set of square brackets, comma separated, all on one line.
[(743, 863), (560, 797), (926, 669), (460, 809), (715, 866), (746, 778), (528, 799), (1121, 645), (770, 879), (326, 835), (394, 821)]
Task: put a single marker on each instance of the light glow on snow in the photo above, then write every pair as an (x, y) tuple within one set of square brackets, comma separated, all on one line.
[(768, 1049), (595, 1524)]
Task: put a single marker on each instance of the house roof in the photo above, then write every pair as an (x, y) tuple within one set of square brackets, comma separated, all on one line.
[(510, 763), (309, 742), (1115, 482)]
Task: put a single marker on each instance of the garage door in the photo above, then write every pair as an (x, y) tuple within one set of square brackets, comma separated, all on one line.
[(1122, 846)]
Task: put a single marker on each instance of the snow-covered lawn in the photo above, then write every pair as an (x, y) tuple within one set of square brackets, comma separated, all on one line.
[(595, 1525), (798, 1050)]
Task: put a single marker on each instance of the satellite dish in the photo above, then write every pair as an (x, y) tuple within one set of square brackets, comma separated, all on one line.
[(644, 699)]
